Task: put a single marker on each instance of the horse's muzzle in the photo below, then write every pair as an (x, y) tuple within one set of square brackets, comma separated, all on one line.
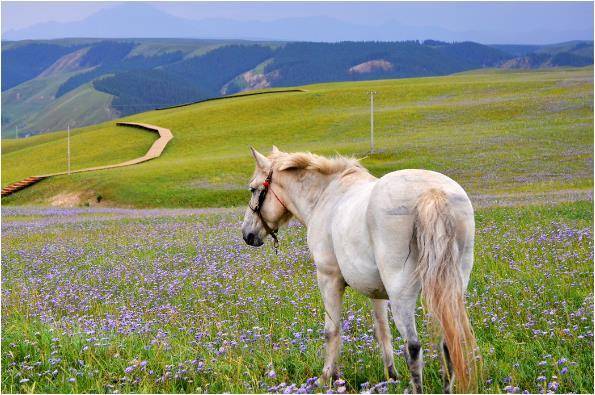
[(253, 240)]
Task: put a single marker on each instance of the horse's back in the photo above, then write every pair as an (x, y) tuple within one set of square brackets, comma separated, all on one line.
[(396, 193)]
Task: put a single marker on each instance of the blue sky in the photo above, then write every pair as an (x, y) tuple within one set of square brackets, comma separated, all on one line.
[(461, 16)]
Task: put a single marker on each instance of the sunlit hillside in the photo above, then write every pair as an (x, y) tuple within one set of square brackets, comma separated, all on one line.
[(496, 133)]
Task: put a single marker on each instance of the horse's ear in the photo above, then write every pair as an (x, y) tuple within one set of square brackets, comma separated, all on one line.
[(261, 160), (275, 150)]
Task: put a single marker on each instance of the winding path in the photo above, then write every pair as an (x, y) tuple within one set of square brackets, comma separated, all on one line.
[(155, 151)]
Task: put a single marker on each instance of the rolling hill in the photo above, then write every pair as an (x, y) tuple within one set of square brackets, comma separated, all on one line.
[(47, 84), (50, 84), (497, 132)]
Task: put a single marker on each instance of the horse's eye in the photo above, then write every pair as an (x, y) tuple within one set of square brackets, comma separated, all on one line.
[(252, 190)]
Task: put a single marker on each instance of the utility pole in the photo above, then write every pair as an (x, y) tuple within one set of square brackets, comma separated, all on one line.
[(16, 130), (372, 93), (69, 149)]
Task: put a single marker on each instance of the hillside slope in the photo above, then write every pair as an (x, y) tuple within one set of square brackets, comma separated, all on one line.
[(41, 77), (32, 107), (495, 133), (92, 146), (118, 77)]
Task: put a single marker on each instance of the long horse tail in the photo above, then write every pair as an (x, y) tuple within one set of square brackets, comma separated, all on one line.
[(442, 283)]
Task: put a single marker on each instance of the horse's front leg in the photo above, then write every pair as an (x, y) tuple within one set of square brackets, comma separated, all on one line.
[(332, 287)]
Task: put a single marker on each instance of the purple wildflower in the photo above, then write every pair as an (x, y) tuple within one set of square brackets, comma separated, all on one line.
[(564, 370)]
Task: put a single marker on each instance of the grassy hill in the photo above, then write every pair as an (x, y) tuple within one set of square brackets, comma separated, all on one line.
[(494, 132), (89, 147)]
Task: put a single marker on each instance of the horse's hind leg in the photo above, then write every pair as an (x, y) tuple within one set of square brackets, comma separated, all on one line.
[(397, 261), (384, 337), (403, 289), (447, 369), (403, 302)]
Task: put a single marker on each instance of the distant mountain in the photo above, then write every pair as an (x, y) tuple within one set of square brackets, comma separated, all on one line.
[(49, 84), (135, 19), (572, 53)]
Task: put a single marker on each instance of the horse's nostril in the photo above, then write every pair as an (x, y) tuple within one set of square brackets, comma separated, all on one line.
[(249, 238)]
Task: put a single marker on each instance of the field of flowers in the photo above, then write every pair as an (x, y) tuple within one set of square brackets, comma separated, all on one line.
[(116, 300)]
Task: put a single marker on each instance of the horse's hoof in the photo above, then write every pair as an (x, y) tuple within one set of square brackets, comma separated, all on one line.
[(328, 377), (325, 380), (321, 382), (392, 373)]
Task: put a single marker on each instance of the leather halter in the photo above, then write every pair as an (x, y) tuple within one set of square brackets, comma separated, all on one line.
[(261, 197)]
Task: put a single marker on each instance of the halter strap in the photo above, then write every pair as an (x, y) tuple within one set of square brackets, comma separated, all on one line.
[(279, 200), (261, 198)]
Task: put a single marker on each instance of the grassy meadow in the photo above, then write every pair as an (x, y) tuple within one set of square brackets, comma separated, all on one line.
[(494, 132), (116, 300), (153, 289)]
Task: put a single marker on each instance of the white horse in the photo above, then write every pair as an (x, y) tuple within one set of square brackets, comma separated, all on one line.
[(388, 238)]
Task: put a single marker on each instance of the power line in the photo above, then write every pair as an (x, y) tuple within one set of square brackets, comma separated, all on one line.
[(372, 93), (68, 148)]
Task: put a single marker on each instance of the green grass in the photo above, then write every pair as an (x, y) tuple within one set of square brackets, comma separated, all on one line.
[(111, 290), (501, 132), (89, 147)]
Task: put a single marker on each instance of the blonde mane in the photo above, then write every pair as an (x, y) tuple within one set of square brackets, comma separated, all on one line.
[(308, 161)]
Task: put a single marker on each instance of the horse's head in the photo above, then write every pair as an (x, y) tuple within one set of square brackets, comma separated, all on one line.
[(266, 210)]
